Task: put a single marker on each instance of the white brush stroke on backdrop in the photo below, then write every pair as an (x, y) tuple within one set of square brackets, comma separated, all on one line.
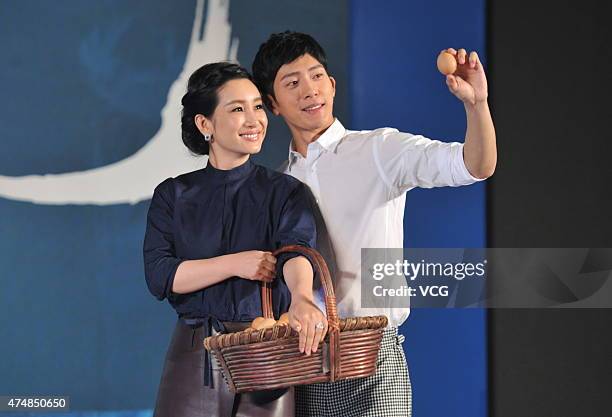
[(133, 179)]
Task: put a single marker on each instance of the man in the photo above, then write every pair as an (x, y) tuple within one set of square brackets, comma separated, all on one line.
[(359, 181)]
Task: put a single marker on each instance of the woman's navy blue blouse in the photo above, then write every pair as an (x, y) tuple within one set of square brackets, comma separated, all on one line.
[(212, 212)]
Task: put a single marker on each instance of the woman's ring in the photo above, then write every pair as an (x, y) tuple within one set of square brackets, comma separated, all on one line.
[(319, 326)]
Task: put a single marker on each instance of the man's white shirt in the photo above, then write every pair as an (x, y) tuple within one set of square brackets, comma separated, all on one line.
[(359, 180)]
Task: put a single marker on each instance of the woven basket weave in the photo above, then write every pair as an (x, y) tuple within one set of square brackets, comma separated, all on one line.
[(256, 360)]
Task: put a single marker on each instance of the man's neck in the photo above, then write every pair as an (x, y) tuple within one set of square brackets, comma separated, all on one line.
[(303, 138)]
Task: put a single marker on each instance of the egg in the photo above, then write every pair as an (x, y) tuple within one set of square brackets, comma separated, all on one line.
[(284, 318), (447, 64), (262, 323), (257, 322)]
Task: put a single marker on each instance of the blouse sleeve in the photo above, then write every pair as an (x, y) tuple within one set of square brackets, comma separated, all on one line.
[(160, 261), (297, 224)]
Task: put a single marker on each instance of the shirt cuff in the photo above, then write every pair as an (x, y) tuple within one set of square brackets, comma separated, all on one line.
[(461, 175), (284, 257), (169, 294)]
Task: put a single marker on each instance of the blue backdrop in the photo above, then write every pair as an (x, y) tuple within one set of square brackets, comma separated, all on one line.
[(394, 82), (83, 85)]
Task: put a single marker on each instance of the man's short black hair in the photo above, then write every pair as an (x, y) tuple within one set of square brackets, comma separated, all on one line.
[(280, 49)]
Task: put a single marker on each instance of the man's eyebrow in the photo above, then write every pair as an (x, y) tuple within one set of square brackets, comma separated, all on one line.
[(314, 67), (258, 98)]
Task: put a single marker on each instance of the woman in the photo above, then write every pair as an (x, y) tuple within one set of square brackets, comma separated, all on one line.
[(208, 241)]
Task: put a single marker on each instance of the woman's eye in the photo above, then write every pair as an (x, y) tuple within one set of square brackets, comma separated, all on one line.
[(259, 107), (292, 83), (318, 76), (236, 109)]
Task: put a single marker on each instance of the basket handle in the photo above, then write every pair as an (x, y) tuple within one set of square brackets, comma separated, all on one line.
[(333, 323)]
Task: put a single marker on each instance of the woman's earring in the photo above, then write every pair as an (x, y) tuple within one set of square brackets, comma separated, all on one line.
[(207, 137)]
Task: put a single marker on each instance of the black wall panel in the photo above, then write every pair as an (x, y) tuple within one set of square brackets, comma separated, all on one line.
[(550, 66)]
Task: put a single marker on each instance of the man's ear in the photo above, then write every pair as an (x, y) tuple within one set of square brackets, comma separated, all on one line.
[(203, 124), (273, 105), (333, 83)]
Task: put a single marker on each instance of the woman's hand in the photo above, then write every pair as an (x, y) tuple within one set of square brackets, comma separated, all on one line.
[(310, 322), (304, 315), (254, 265)]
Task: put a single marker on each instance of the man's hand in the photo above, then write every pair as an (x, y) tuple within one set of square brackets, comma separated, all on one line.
[(469, 82), (254, 265), (310, 322)]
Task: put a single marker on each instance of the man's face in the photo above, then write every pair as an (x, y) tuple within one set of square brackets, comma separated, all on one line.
[(304, 95)]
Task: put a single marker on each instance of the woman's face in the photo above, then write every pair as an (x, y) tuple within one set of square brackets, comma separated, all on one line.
[(238, 124)]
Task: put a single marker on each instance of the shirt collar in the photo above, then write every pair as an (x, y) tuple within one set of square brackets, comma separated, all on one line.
[(221, 175), (329, 140)]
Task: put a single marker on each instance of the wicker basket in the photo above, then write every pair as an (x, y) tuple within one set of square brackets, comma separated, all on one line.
[(256, 360)]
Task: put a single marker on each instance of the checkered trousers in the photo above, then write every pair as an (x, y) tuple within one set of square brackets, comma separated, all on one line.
[(387, 393)]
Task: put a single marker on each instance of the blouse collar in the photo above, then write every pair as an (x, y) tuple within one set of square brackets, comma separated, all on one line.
[(233, 174)]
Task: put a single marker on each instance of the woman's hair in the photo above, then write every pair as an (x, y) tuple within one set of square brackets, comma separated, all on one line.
[(202, 98)]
